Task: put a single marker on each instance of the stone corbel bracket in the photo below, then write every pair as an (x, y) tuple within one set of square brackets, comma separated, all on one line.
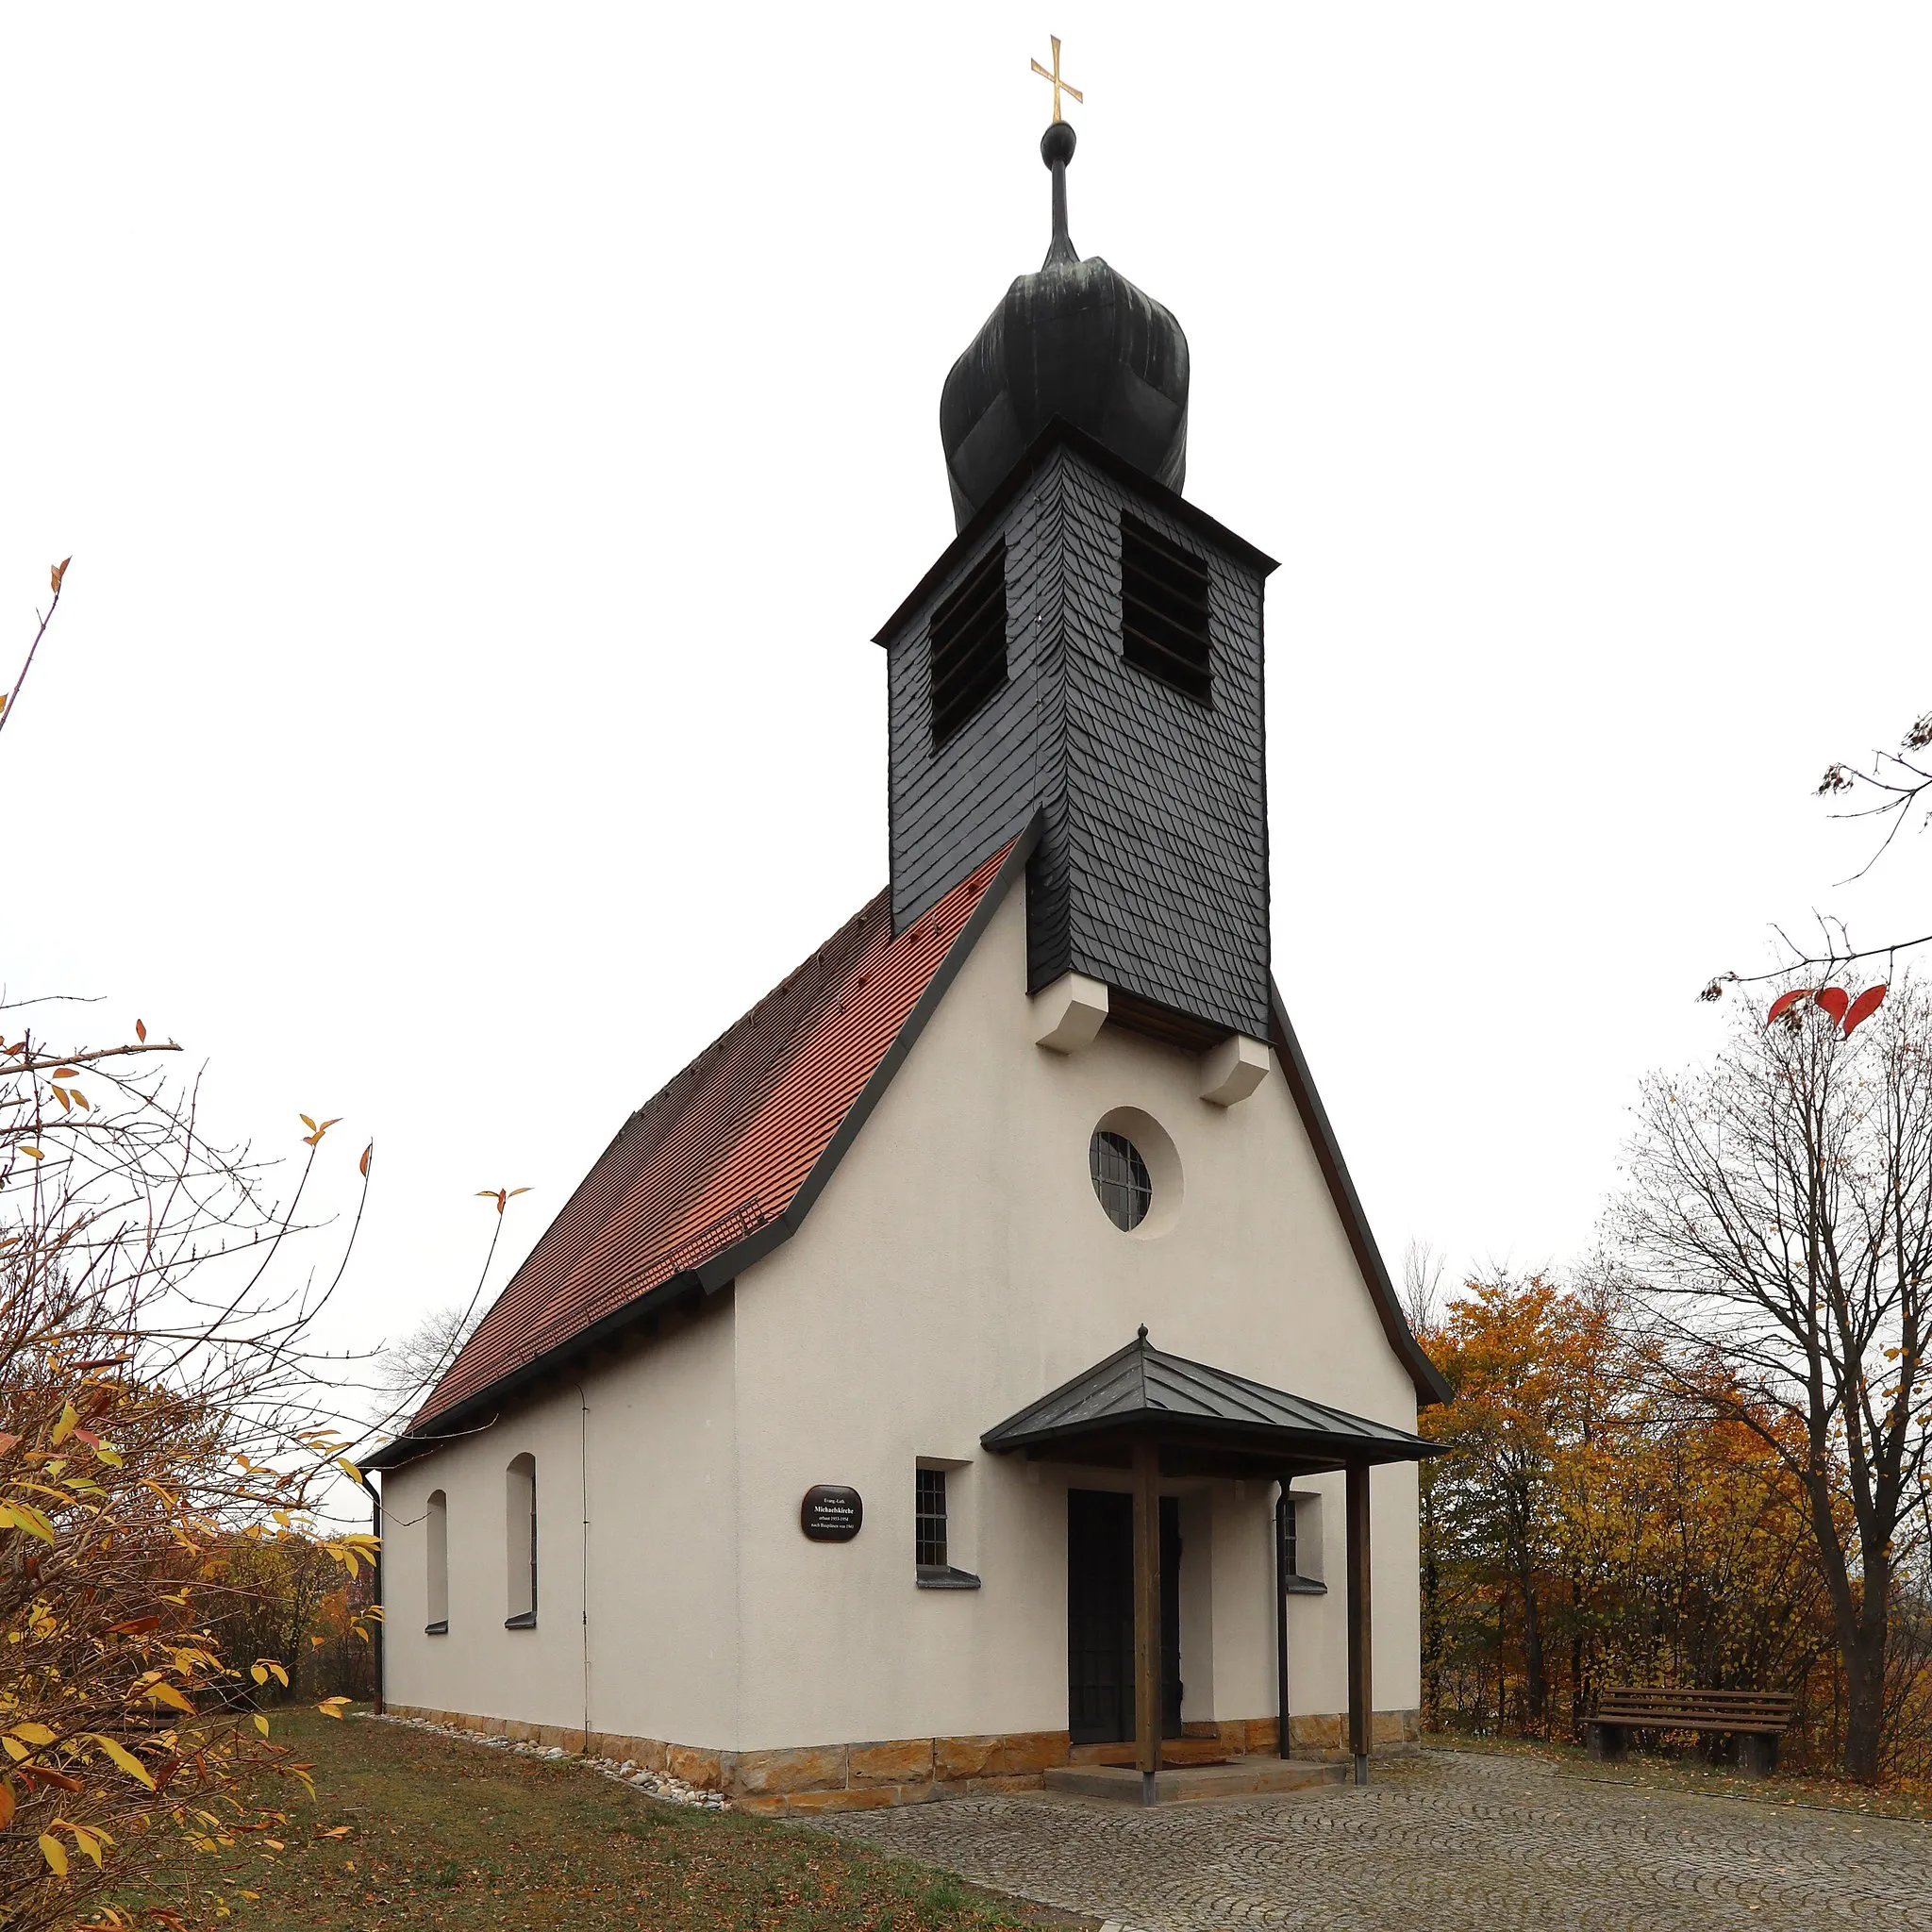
[(1233, 1070), (1068, 1015)]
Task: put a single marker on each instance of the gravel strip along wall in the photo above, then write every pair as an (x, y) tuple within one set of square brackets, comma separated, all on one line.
[(654, 1784)]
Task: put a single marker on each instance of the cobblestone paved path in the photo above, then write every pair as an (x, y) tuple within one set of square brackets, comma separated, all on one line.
[(1452, 1842)]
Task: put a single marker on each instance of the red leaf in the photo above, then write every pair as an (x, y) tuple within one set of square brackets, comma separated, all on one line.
[(1833, 1000), (1785, 1002), (1864, 1006)]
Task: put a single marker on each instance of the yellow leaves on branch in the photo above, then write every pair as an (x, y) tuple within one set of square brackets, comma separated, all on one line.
[(125, 1759), (58, 571), (353, 1552), (88, 1838), (264, 1667), (502, 1196), (24, 1516), (156, 1689), (332, 1706), (316, 1130)]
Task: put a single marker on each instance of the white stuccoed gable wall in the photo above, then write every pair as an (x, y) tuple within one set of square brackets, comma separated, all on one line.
[(956, 1267)]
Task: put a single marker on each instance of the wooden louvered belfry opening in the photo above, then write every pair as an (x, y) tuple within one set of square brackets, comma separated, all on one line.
[(969, 645), (1164, 610)]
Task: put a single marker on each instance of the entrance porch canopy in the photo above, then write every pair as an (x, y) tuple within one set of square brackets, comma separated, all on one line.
[(1162, 1415), (1205, 1422)]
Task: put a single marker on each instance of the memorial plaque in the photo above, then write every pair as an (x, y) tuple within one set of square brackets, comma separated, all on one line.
[(830, 1513)]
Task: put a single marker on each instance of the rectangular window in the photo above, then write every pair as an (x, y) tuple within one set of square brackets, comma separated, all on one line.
[(1298, 1530), (967, 644), (929, 1520), (1164, 607)]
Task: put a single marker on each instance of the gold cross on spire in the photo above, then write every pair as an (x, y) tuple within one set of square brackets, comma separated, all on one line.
[(1053, 74)]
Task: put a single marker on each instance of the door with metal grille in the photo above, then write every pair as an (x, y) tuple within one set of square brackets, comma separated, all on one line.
[(1100, 1617)]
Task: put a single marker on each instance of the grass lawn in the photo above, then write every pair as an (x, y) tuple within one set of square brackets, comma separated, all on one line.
[(457, 1837)]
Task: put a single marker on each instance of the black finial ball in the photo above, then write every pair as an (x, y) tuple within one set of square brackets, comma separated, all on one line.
[(1143, 1331), (1056, 143)]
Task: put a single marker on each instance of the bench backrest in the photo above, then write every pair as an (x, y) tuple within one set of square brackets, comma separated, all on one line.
[(1645, 1705)]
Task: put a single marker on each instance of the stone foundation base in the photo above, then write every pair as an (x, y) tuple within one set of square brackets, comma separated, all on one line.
[(906, 1771)]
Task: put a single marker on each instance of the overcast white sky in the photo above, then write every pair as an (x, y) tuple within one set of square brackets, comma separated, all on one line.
[(488, 438)]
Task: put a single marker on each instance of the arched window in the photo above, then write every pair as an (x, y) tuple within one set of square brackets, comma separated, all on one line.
[(520, 1543), (438, 1564)]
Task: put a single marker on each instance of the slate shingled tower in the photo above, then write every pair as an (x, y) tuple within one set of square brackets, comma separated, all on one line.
[(1089, 647)]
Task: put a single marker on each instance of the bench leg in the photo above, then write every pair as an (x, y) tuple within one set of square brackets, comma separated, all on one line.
[(1608, 1744), (1756, 1756)]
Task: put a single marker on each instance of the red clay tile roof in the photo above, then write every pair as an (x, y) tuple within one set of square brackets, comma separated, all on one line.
[(725, 1147)]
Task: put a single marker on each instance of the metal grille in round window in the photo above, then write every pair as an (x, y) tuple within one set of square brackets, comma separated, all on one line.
[(1120, 1179)]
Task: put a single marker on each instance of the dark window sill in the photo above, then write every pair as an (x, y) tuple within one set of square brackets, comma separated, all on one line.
[(527, 1622), (441, 1629), (944, 1576), (1305, 1586)]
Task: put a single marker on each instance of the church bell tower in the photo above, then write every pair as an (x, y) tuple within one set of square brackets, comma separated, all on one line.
[(1089, 649)]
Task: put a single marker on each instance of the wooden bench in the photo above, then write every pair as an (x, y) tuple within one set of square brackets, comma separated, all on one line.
[(1757, 1719)]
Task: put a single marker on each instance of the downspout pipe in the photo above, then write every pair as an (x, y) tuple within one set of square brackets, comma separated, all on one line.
[(375, 1528), (1284, 1724), (584, 1499)]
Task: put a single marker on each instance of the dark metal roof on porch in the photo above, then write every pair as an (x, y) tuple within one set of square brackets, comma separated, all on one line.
[(1143, 1392)]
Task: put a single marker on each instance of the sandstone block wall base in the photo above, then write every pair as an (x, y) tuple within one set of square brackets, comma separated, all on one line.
[(900, 1771)]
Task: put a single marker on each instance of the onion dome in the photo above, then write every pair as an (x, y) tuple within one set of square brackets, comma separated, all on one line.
[(1078, 340)]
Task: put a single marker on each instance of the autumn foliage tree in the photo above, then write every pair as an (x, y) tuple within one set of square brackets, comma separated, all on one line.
[(1775, 1242), (1711, 1467), (154, 1389), (1588, 1529), (156, 1417)]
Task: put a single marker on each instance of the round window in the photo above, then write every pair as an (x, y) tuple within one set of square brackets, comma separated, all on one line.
[(1120, 1179)]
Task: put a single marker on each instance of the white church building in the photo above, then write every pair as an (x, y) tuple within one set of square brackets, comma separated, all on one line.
[(975, 1370)]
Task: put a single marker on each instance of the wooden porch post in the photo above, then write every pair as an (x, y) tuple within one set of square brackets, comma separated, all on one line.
[(1147, 1613), (1361, 1699)]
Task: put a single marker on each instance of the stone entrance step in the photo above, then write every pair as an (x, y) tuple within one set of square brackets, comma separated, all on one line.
[(1240, 1778), (1173, 1751)]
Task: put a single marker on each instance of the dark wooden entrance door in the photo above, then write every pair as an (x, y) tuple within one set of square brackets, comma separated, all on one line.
[(1100, 1616)]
